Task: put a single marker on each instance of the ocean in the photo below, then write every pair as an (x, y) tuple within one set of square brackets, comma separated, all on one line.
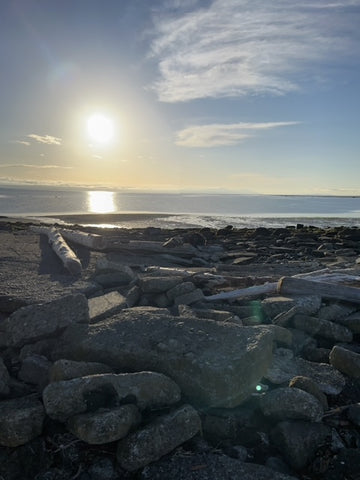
[(178, 210)]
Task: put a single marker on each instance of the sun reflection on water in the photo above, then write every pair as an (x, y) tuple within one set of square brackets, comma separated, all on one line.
[(101, 202)]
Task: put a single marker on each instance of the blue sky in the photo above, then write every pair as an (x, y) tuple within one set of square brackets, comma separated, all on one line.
[(218, 96)]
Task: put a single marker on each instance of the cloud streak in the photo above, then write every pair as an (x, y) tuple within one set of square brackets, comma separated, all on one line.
[(217, 135), (45, 139), (243, 47), (26, 165)]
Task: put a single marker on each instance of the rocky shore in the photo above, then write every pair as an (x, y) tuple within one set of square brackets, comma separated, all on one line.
[(185, 354)]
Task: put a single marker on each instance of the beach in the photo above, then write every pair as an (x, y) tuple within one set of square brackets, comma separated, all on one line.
[(188, 340)]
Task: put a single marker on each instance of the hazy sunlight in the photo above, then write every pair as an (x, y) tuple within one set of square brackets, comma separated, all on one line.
[(101, 202), (100, 128)]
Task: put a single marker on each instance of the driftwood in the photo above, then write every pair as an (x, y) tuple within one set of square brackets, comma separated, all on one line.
[(150, 247), (61, 248), (315, 279), (300, 286), (90, 240)]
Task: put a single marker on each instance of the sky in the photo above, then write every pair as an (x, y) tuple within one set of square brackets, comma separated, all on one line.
[(237, 96)]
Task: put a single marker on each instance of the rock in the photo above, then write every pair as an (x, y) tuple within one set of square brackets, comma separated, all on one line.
[(345, 361), (214, 364), (352, 322), (68, 369), (217, 315), (217, 428), (354, 414), (179, 290), (301, 341), (42, 347), (304, 304), (283, 318), (35, 370), (282, 336), (306, 384), (102, 469), (285, 366), (133, 296), (298, 441), (291, 403), (34, 322), (67, 398), (189, 298), (8, 303), (322, 328), (208, 466), (334, 312), (104, 426), (111, 280), (154, 284), (161, 300), (158, 438), (318, 355), (4, 379), (105, 305), (21, 420), (113, 263), (345, 465)]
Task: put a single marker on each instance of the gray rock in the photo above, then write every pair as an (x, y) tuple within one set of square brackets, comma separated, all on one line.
[(35, 370), (113, 263), (106, 426), (334, 312), (34, 322), (301, 341), (133, 296), (70, 397), (154, 284), (208, 466), (4, 379), (354, 414), (352, 322), (105, 305), (285, 366), (322, 328), (345, 361), (217, 315), (180, 289), (161, 300), (158, 438), (215, 364), (189, 298), (8, 303), (42, 347), (304, 304), (68, 369), (308, 385), (298, 441), (291, 403), (21, 420), (103, 469), (282, 336), (111, 280)]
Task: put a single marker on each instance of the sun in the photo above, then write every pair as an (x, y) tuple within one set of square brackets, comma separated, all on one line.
[(100, 128)]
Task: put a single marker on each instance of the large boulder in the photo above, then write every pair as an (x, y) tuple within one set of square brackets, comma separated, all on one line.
[(4, 379), (67, 398), (215, 364), (34, 322)]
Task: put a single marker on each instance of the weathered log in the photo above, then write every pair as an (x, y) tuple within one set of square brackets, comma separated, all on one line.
[(300, 286), (90, 240), (244, 292), (61, 248)]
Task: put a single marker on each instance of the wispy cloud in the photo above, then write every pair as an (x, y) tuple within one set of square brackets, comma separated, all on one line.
[(23, 142), (27, 165), (47, 139), (216, 135), (240, 47)]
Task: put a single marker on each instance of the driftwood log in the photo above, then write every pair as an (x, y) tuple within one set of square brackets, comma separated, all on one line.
[(61, 248), (90, 240)]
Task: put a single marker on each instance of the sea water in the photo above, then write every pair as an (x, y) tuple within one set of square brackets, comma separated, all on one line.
[(181, 209)]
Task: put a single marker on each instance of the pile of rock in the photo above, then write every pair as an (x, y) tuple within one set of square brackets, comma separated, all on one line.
[(170, 388)]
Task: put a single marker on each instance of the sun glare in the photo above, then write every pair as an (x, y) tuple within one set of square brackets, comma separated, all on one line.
[(101, 202), (100, 128)]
